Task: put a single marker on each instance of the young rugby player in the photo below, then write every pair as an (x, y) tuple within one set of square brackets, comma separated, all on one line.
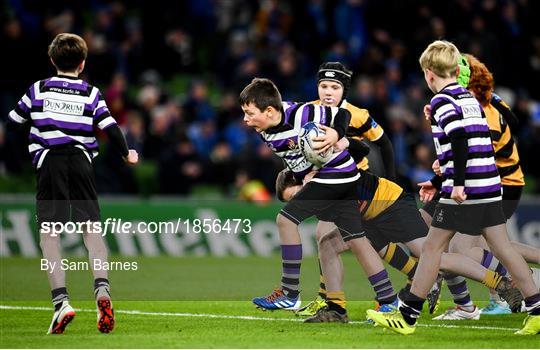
[(471, 192), (390, 215), (329, 196), (475, 76), (333, 84), (63, 112)]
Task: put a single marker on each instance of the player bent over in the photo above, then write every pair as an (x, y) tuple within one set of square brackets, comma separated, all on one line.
[(471, 192), (63, 112), (329, 196)]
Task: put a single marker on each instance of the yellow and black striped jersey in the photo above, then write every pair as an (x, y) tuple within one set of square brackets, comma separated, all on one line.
[(375, 194), (361, 126), (506, 154)]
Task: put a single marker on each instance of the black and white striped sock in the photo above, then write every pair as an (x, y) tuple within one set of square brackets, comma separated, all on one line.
[(532, 304), (59, 295), (410, 306), (102, 288)]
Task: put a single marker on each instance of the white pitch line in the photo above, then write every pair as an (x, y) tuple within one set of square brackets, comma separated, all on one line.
[(250, 318)]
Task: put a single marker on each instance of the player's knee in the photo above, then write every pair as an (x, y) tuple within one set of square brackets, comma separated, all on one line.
[(323, 233), (283, 222), (325, 229), (324, 247), (47, 240), (360, 245), (95, 240), (332, 241)]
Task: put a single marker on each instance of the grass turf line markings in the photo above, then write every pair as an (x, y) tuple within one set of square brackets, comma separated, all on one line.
[(249, 318)]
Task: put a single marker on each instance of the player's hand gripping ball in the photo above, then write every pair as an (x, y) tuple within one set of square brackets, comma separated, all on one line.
[(307, 145)]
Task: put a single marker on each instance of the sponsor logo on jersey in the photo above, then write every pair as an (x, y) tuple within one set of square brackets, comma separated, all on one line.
[(64, 107), (471, 111)]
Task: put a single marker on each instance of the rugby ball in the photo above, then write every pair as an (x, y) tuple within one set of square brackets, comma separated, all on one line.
[(305, 141)]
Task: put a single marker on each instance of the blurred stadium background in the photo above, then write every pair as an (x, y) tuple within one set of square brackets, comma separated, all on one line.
[(171, 72)]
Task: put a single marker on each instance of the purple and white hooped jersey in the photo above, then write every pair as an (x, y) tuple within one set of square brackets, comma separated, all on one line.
[(62, 111), (454, 109), (282, 139)]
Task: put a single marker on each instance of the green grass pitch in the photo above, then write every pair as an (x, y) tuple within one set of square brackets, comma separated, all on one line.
[(205, 303)]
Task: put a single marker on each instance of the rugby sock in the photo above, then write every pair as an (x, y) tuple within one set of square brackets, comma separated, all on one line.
[(410, 306), (490, 262), (399, 259), (336, 301), (491, 279), (322, 285), (458, 287), (101, 288), (291, 257), (532, 304), (383, 287), (59, 295)]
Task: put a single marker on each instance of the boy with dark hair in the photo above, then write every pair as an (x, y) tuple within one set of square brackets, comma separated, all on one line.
[(329, 195), (63, 111)]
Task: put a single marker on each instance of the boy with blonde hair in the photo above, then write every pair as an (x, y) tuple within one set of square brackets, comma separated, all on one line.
[(470, 196)]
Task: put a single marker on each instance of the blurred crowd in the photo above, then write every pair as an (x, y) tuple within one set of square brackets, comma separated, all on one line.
[(171, 72)]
